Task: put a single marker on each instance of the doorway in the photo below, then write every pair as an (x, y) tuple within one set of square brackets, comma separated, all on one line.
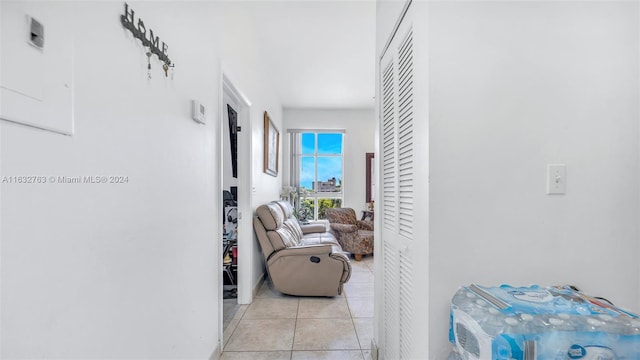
[(236, 234)]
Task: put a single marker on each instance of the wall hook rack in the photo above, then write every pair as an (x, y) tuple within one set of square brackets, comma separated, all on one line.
[(148, 38)]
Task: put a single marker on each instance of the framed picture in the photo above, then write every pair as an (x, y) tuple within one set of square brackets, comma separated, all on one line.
[(271, 146)]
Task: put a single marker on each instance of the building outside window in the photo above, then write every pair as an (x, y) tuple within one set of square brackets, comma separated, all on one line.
[(320, 175)]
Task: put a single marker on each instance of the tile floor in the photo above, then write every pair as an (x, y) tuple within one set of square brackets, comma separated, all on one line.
[(281, 327)]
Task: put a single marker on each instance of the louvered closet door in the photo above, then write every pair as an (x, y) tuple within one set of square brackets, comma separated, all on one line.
[(399, 162), (388, 147)]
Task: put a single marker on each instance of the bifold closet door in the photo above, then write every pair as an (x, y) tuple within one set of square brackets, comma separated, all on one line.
[(404, 194)]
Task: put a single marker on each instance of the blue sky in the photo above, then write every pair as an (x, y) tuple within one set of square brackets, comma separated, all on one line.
[(328, 167)]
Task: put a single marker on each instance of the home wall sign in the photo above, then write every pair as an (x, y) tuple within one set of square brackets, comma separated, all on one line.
[(147, 37)]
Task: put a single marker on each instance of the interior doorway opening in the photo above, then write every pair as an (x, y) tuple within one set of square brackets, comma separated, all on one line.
[(236, 244)]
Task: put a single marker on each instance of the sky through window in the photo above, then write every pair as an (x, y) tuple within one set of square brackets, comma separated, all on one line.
[(329, 166)]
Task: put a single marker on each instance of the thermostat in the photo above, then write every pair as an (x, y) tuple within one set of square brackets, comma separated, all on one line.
[(198, 112)]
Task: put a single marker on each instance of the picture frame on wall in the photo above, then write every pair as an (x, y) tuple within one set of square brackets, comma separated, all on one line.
[(271, 146)]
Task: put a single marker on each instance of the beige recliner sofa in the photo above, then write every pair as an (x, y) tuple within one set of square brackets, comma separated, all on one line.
[(301, 260)]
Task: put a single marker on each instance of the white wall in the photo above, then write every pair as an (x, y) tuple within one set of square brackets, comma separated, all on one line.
[(235, 31), (359, 126), (126, 270), (515, 86), (387, 13)]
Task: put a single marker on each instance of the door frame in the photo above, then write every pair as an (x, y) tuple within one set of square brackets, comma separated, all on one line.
[(245, 229)]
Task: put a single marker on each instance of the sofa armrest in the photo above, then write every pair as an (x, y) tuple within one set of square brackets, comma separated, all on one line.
[(303, 250), (313, 228), (344, 228), (342, 257), (365, 225), (313, 270)]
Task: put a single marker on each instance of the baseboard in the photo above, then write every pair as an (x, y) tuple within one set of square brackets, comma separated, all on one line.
[(258, 285), (217, 354), (374, 350)]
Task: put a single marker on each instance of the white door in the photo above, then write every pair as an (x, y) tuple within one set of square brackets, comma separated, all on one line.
[(403, 179)]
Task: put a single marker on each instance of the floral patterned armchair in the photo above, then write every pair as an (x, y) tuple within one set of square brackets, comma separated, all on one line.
[(355, 236)]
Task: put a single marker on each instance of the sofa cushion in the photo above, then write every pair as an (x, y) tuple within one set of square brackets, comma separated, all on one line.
[(313, 228), (286, 207), (323, 239), (281, 233), (263, 238), (290, 222), (282, 238), (294, 227), (319, 238), (271, 216)]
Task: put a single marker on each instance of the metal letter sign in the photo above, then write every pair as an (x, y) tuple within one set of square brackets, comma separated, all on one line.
[(139, 31)]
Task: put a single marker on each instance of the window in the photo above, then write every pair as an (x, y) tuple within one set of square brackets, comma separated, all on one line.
[(319, 171)]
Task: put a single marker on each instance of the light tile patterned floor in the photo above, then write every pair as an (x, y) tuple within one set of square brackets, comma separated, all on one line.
[(281, 327)]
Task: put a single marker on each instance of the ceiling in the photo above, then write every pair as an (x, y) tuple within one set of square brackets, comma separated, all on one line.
[(319, 54)]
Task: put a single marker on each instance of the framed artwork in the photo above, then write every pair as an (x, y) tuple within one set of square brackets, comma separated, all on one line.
[(271, 146)]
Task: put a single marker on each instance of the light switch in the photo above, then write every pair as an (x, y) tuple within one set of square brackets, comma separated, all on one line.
[(556, 179)]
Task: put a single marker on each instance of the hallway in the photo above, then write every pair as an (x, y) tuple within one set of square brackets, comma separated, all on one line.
[(281, 327)]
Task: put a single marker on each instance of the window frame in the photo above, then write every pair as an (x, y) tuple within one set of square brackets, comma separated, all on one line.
[(317, 195)]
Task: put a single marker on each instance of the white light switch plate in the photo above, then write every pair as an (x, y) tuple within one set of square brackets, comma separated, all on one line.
[(556, 179)]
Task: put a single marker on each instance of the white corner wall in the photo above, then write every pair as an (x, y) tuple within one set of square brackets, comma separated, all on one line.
[(516, 86), (127, 270), (359, 126), (387, 14), (235, 32)]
